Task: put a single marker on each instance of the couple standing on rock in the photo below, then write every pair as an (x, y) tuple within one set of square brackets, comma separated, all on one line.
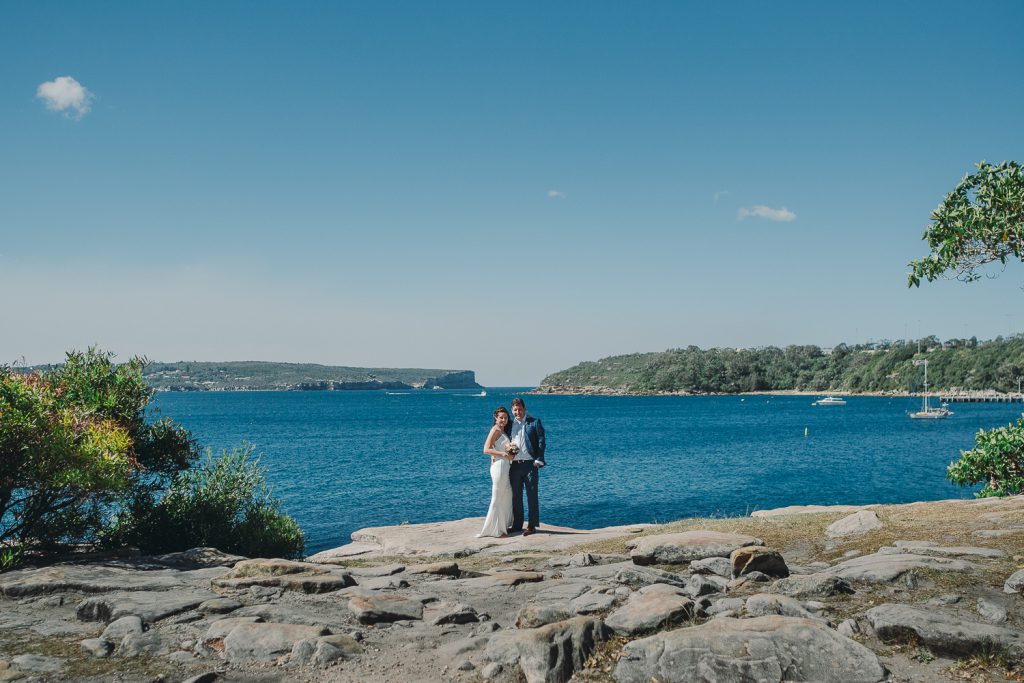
[(516, 447)]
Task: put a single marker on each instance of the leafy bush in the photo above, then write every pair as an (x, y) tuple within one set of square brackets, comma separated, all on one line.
[(996, 459), (74, 441), (224, 502)]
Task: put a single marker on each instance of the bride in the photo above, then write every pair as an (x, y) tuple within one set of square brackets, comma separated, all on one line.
[(499, 514)]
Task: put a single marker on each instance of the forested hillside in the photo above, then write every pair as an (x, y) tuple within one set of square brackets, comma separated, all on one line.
[(886, 366)]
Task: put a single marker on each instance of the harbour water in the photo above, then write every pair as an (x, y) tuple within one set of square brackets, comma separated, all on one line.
[(343, 460)]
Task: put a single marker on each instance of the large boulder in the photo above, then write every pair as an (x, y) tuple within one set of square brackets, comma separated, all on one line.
[(374, 609), (763, 649), (756, 559), (818, 585), (886, 568), (650, 608), (549, 654), (303, 577), (261, 642), (626, 573), (150, 606), (687, 546), (944, 633), (765, 604), (857, 524), (1015, 582)]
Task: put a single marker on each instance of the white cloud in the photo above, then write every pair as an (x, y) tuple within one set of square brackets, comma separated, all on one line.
[(720, 193), (782, 215), (555, 194), (65, 94)]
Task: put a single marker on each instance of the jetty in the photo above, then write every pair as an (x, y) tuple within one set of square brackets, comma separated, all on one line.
[(987, 396)]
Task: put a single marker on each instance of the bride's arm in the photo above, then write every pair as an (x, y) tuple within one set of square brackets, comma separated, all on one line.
[(492, 436)]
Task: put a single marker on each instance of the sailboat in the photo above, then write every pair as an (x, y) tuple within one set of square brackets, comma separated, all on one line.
[(927, 412)]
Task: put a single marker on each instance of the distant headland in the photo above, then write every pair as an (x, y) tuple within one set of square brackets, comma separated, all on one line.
[(268, 376)]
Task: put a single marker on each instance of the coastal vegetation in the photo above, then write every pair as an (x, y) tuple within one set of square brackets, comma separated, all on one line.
[(997, 459), (980, 222), (82, 458), (956, 364)]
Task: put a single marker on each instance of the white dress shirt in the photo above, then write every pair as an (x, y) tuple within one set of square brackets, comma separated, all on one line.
[(519, 439)]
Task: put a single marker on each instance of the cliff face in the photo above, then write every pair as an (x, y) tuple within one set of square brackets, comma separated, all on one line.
[(463, 379)]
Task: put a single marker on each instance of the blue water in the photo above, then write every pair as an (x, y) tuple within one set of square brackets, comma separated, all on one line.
[(345, 460)]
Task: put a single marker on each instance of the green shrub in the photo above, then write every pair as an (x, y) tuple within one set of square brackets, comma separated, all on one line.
[(74, 443), (224, 502), (996, 459)]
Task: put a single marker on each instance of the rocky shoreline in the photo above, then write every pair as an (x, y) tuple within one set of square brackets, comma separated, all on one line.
[(918, 592)]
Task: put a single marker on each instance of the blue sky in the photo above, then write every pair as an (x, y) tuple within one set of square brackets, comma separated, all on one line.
[(505, 187)]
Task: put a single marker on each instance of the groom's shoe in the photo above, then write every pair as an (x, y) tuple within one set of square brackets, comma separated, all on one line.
[(529, 530)]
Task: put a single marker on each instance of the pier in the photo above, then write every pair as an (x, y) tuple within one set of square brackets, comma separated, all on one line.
[(981, 397)]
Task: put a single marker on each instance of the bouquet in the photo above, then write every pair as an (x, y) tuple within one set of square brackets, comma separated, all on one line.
[(511, 449)]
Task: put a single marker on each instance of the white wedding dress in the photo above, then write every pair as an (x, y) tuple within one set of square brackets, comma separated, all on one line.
[(499, 514)]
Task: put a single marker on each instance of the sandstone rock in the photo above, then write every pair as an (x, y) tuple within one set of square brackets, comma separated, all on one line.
[(625, 573), (933, 549), (119, 628), (811, 585), (805, 510), (719, 566), (591, 602), (652, 607), (219, 630), (263, 642), (549, 654), (151, 644), (857, 524), (435, 569), (991, 611), (150, 606), (562, 591), (97, 647), (208, 677), (38, 663), (381, 570), (199, 557), (687, 546), (285, 574), (380, 583), (879, 568), (770, 648), (324, 651), (457, 613), (490, 671), (848, 628), (533, 616), (219, 606), (85, 579), (756, 559), (1015, 583), (944, 633), (724, 605), (700, 584), (765, 604), (945, 599), (582, 560), (374, 609)]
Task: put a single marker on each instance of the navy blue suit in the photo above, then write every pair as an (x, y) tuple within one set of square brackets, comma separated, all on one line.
[(527, 474)]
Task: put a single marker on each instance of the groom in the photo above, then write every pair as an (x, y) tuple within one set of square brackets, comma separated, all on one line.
[(528, 434)]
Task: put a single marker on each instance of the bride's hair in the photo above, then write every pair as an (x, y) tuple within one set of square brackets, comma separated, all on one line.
[(501, 409)]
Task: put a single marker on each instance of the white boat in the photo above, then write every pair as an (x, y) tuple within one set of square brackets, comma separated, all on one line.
[(927, 412), (829, 401)]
